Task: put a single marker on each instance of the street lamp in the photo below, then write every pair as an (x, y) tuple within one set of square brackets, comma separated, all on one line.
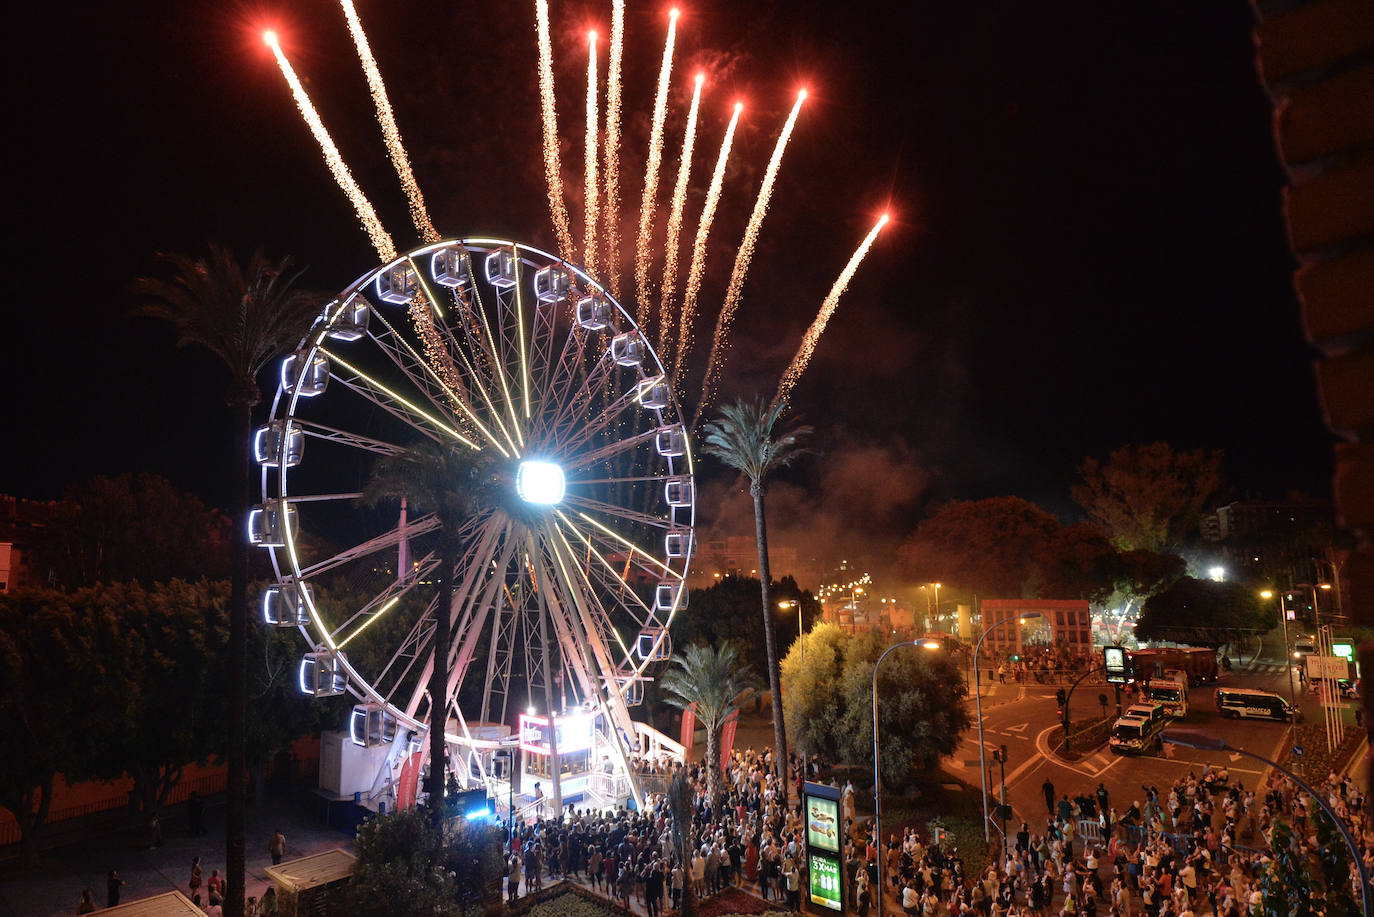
[(785, 605), (978, 704), (1196, 738), (877, 775), (1287, 659)]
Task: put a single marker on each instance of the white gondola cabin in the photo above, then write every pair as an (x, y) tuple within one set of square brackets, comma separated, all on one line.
[(653, 393), (670, 442), (669, 595), (397, 285), (310, 382), (628, 349), (594, 312), (276, 446), (371, 725), (500, 268), (287, 605), (450, 267), (678, 543), (678, 491), (653, 644), (269, 523), (322, 674), (350, 324), (551, 284)]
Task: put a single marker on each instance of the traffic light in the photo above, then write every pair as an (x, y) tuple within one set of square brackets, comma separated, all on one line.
[(1061, 697)]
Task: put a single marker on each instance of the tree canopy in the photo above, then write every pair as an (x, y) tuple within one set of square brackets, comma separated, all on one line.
[(1204, 612), (1148, 497), (830, 701), (729, 610)]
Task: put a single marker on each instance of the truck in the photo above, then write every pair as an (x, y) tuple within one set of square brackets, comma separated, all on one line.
[(1169, 694), (1135, 734), (1197, 663)]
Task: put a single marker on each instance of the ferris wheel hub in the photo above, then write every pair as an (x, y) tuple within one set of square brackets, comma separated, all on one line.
[(540, 483)]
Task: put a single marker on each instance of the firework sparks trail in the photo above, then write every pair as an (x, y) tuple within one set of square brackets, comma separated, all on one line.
[(391, 134), (553, 169), (684, 169), (610, 167), (698, 266), (590, 215), (381, 241), (650, 197), (832, 299), (742, 259)]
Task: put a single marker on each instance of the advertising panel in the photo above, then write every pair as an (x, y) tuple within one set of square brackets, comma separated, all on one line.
[(1114, 661), (826, 887), (823, 823)]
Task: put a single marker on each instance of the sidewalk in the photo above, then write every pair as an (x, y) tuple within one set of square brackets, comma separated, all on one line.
[(53, 886)]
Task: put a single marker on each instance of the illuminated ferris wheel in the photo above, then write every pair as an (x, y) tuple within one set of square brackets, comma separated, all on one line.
[(564, 592)]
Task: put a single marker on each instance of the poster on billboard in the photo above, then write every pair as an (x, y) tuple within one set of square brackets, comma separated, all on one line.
[(1114, 661), (823, 823), (826, 887)]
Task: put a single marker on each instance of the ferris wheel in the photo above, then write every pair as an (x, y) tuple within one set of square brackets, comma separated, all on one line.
[(564, 589)]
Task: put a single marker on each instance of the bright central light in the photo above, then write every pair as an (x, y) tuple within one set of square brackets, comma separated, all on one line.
[(540, 482), (1217, 573)]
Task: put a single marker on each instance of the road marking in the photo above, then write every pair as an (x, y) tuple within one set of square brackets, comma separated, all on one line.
[(1019, 727), (1042, 746), (1235, 758)]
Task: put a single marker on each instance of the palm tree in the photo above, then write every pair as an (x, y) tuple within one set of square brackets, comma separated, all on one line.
[(680, 805), (712, 682), (247, 315), (743, 438), (456, 486)]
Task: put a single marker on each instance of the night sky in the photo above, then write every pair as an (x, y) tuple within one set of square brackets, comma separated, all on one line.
[(1088, 248)]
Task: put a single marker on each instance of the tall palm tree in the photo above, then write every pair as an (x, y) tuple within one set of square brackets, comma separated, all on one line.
[(456, 484), (743, 438), (712, 682), (247, 315)]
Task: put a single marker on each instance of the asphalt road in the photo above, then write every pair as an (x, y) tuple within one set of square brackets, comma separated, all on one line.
[(1022, 717)]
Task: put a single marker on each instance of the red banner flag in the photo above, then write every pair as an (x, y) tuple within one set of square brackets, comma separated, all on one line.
[(689, 732), (727, 738), (408, 785)]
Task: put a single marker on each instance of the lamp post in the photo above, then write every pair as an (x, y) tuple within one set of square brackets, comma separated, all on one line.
[(785, 605), (978, 704), (1287, 656), (1196, 738), (877, 774)]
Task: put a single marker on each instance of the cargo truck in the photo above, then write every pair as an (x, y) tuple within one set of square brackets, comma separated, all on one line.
[(1197, 663)]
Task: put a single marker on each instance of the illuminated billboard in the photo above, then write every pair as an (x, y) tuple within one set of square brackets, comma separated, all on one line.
[(823, 823), (1114, 661), (826, 887), (574, 733)]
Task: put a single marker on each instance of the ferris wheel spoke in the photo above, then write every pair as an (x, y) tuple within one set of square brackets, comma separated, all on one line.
[(589, 458), (471, 624), (498, 361), (595, 426), (389, 539), (410, 651), (394, 403), (562, 612), (578, 397), (622, 587), (592, 621), (455, 393), (346, 438), (618, 512), (601, 533), (388, 598)]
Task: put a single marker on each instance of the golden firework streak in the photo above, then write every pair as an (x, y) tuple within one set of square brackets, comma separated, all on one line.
[(698, 267), (610, 164), (381, 241), (589, 148), (390, 132), (742, 259), (832, 299), (684, 169), (647, 203), (553, 169)]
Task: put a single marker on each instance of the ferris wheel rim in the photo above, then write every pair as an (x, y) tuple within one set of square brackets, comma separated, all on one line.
[(360, 685)]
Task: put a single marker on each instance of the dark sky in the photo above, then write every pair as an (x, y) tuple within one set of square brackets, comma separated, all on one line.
[(1087, 249)]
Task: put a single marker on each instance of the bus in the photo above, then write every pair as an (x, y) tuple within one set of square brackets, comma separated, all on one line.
[(1247, 703)]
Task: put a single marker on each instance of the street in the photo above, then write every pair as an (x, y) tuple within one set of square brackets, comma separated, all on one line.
[(1022, 717)]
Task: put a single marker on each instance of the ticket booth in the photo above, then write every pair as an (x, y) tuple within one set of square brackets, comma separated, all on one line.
[(575, 741), (824, 849)]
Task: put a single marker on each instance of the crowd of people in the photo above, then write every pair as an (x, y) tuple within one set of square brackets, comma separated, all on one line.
[(1201, 847)]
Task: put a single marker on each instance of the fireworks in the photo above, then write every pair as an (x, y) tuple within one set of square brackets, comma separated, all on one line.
[(610, 211), (590, 153), (381, 241), (643, 253), (832, 299), (391, 134), (698, 267), (553, 168), (743, 257), (670, 246)]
